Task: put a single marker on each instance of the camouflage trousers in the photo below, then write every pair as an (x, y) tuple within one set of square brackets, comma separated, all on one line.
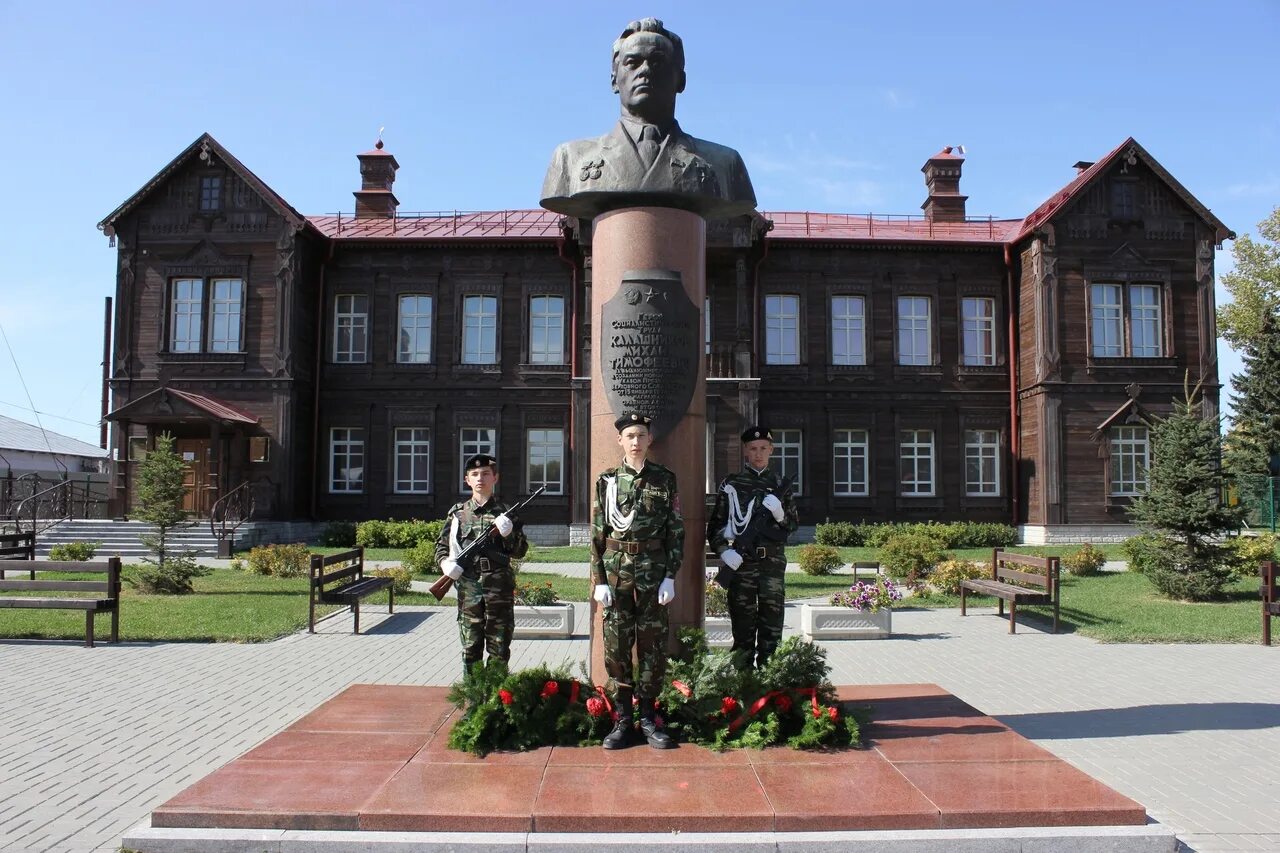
[(635, 620), (757, 596), (486, 614)]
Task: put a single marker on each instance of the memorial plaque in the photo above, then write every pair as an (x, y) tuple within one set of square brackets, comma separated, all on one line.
[(650, 343)]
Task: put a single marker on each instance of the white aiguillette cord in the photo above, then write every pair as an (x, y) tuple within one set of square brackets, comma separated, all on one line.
[(454, 547), (613, 515), (738, 517)]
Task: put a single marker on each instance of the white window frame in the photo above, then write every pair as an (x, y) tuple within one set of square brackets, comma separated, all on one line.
[(186, 323), (1126, 320), (978, 321), (412, 445), (544, 446), (346, 455), (479, 329), (848, 330), (1146, 316), (414, 328), (782, 320), (546, 319), (1130, 460), (916, 452), (350, 318), (788, 456), (225, 310), (473, 440), (1106, 320), (982, 449), (915, 328), (849, 446)]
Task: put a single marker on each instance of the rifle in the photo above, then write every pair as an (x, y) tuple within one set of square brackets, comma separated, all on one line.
[(467, 554), (758, 527)]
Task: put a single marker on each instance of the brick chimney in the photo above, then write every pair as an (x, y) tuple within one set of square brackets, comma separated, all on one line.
[(942, 179), (374, 199)]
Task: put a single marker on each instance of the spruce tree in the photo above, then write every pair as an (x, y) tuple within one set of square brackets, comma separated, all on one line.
[(1183, 506), (1255, 438), (159, 502)]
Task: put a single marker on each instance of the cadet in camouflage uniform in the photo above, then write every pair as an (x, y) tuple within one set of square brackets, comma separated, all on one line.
[(757, 593), (486, 589), (637, 541)]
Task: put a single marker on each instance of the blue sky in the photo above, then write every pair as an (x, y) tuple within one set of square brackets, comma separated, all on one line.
[(834, 106)]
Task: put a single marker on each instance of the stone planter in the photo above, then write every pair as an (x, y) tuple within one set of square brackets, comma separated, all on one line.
[(719, 632), (549, 622), (823, 622)]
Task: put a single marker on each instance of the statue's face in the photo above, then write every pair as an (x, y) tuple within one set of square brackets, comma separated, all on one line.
[(646, 76)]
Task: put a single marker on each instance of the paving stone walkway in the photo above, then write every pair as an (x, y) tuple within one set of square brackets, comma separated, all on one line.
[(92, 739)]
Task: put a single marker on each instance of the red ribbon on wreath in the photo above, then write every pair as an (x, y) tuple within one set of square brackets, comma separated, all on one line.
[(683, 688), (608, 706), (759, 704), (573, 692)]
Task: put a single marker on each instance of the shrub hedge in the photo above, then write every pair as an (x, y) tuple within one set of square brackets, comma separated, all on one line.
[(955, 534)]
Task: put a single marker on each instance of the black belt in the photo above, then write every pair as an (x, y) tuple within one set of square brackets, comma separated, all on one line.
[(634, 547)]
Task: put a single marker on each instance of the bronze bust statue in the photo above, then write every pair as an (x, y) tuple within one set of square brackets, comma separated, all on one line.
[(646, 160)]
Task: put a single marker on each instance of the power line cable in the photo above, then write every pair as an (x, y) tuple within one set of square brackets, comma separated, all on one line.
[(26, 391)]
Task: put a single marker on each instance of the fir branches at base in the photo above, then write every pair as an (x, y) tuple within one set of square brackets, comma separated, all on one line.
[(708, 700)]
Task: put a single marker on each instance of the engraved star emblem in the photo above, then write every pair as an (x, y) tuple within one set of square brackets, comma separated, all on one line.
[(652, 294)]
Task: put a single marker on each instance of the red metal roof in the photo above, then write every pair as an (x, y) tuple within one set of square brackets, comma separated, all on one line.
[(802, 225), (447, 225), (1062, 197), (214, 407), (545, 225)]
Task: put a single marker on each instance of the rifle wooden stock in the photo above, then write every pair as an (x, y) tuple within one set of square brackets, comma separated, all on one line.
[(441, 587)]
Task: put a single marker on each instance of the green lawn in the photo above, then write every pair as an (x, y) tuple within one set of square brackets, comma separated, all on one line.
[(226, 606), (581, 554), (1123, 607)]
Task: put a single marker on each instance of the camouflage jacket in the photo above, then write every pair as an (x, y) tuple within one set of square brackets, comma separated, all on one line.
[(748, 485), (652, 494), (473, 521)]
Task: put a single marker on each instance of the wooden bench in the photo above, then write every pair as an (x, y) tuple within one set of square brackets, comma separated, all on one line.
[(1017, 585), (18, 546), (1270, 598), (349, 584), (108, 602)]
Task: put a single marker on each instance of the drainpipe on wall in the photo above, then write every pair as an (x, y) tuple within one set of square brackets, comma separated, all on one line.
[(1015, 441), (315, 397)]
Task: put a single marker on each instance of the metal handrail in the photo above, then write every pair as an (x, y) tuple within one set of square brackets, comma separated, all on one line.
[(231, 510), (66, 507)]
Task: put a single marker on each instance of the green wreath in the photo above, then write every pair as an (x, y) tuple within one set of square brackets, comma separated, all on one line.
[(709, 700)]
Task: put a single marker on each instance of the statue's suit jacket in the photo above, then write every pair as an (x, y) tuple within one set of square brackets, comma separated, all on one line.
[(588, 176)]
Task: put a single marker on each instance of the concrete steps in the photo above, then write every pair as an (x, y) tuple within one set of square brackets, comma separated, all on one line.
[(122, 538)]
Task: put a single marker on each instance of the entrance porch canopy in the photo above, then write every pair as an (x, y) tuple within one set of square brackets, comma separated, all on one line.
[(169, 405)]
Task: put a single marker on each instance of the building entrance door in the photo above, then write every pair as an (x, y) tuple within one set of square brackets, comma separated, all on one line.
[(194, 453)]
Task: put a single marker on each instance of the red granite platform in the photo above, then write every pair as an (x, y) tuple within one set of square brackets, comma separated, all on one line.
[(375, 758)]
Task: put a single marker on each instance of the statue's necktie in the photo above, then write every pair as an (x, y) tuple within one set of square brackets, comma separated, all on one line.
[(648, 145)]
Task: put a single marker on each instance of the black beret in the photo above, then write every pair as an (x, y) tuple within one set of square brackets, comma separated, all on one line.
[(628, 419), (755, 433), (480, 460)]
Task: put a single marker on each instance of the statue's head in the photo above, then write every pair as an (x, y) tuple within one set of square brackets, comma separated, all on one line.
[(648, 69)]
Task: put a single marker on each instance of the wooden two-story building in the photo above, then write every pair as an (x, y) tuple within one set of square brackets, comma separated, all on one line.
[(912, 367)]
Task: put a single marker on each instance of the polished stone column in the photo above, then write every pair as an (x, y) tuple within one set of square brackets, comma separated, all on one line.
[(650, 254)]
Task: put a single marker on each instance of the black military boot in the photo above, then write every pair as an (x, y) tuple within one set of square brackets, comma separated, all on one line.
[(658, 739), (620, 737)]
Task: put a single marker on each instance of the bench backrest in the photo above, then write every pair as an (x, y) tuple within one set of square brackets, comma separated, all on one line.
[(1024, 569), (1271, 582), (349, 568), (17, 546), (110, 586)]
